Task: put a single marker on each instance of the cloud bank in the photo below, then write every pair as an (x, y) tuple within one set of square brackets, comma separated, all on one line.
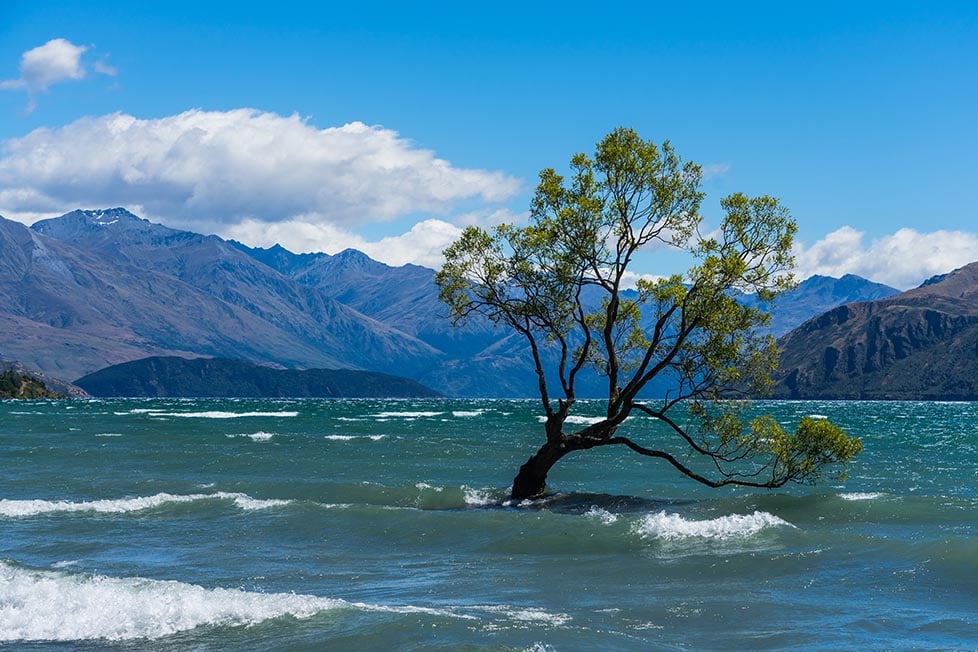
[(903, 259), (226, 167), (56, 61)]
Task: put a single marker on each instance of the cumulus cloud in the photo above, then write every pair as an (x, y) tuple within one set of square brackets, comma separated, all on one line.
[(56, 61), (903, 259), (229, 166), (421, 245)]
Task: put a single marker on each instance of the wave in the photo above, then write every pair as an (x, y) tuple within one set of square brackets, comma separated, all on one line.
[(467, 413), (576, 420), (219, 414), (255, 436), (35, 507), (671, 527), (61, 606), (353, 437), (861, 495), (601, 514), (406, 415)]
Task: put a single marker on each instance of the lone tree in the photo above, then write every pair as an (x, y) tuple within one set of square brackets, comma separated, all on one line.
[(560, 283)]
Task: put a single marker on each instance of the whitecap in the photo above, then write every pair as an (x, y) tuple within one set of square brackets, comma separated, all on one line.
[(255, 436), (34, 507), (476, 496), (603, 515), (817, 416), (867, 495), (60, 606), (734, 526), (218, 414), (406, 415), (65, 564), (108, 434), (528, 614), (577, 420), (353, 437), (468, 413)]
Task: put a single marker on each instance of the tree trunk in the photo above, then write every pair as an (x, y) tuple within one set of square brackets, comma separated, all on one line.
[(532, 478)]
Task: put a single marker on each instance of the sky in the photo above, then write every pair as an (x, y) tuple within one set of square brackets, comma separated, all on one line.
[(390, 127)]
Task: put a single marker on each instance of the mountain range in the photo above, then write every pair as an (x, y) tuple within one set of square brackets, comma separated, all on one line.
[(920, 344), (95, 288)]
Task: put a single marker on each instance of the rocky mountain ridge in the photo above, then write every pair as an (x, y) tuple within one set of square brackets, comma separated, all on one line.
[(920, 344)]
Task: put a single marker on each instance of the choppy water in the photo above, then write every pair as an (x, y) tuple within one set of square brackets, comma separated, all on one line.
[(361, 525)]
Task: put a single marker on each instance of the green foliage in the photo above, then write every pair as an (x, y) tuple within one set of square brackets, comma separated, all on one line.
[(17, 385), (584, 232)]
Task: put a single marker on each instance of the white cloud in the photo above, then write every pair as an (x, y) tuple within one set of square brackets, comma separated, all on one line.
[(56, 61), (903, 259), (103, 68), (229, 166), (422, 245), (713, 170)]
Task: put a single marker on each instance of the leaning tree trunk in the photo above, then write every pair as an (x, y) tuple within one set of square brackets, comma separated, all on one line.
[(532, 478)]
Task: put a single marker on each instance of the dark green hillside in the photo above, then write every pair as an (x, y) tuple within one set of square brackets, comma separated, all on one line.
[(216, 377), (17, 385)]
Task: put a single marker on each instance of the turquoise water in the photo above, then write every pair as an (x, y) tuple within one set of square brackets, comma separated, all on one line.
[(381, 525)]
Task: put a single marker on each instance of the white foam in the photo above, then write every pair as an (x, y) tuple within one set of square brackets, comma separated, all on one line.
[(476, 496), (468, 413), (603, 515), (352, 437), (109, 434), (65, 563), (735, 526), (577, 420), (59, 606), (869, 495), (406, 415), (218, 414), (34, 507), (255, 436), (528, 615), (817, 416)]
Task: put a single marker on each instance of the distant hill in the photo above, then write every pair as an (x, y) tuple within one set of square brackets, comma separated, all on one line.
[(55, 385), (920, 344), (14, 384), (215, 377)]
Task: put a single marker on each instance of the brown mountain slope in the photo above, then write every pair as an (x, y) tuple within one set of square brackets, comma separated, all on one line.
[(920, 344)]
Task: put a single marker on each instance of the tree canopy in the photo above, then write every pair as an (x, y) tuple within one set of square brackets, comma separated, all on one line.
[(560, 280)]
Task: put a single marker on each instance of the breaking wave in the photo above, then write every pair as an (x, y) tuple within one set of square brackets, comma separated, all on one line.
[(406, 415), (35, 507), (867, 495), (671, 527), (255, 436), (60, 606), (219, 414)]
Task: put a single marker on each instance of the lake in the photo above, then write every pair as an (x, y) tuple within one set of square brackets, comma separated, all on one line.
[(219, 524)]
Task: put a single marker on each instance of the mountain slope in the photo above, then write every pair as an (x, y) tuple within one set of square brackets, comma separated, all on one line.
[(216, 268), (921, 344)]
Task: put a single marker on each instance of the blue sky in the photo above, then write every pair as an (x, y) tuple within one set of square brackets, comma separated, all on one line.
[(388, 127)]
